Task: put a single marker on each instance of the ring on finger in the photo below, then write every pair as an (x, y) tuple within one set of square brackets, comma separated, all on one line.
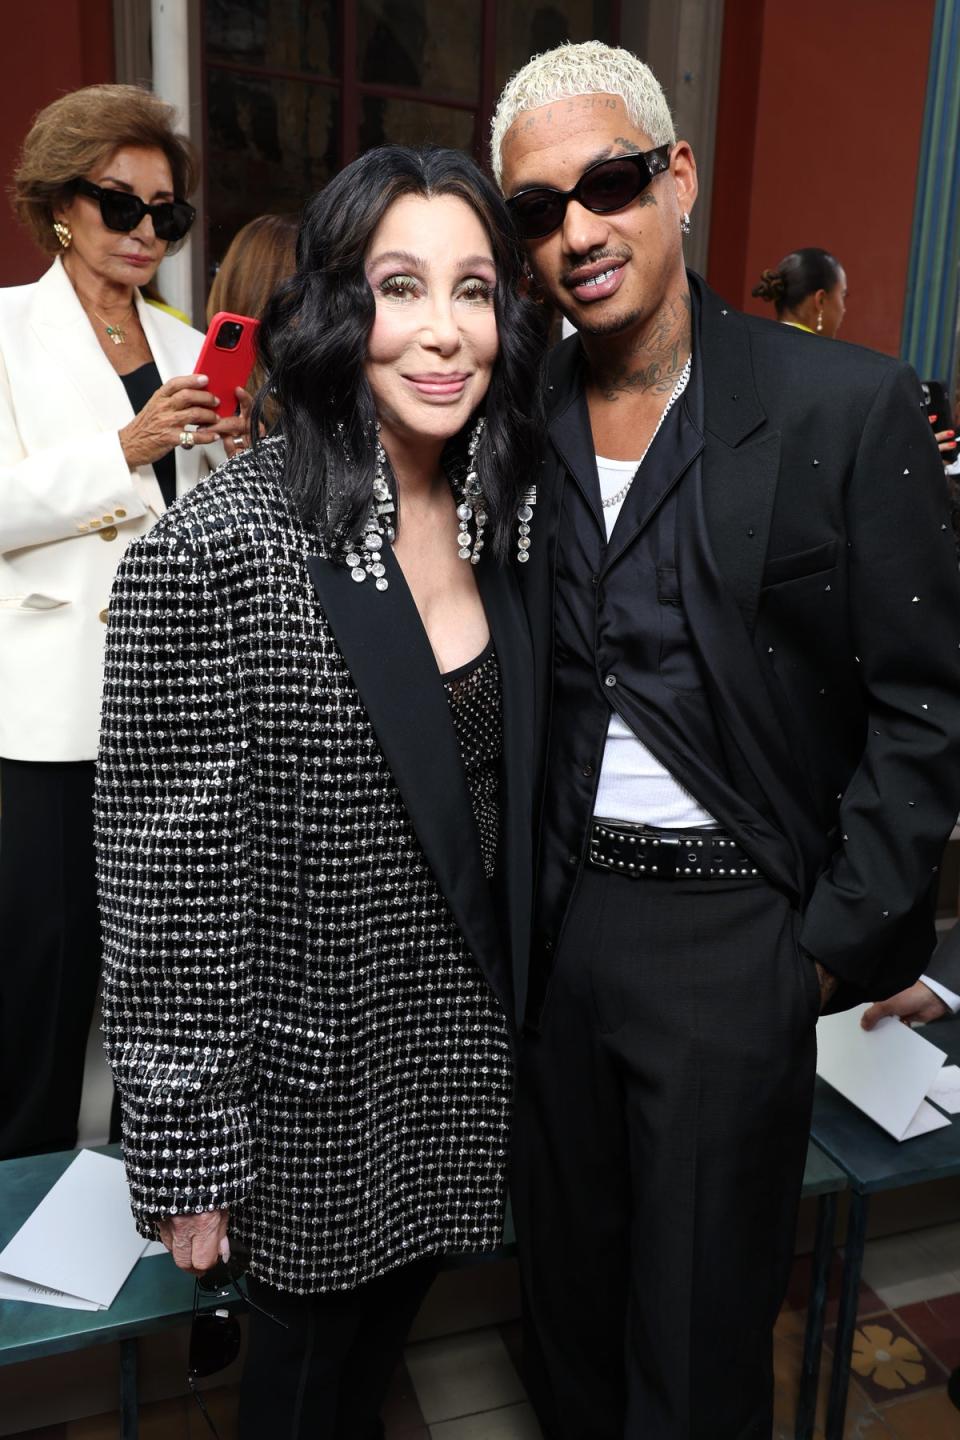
[(187, 439)]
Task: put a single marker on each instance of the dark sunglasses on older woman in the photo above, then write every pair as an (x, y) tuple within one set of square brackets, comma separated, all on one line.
[(607, 186), (121, 211)]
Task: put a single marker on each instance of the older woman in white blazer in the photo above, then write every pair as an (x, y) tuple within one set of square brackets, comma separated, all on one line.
[(103, 423)]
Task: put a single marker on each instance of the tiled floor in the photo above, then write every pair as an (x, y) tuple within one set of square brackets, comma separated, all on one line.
[(468, 1387)]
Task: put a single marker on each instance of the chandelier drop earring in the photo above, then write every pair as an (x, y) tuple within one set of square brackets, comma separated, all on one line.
[(685, 224), (63, 233), (367, 559), (524, 516), (472, 505)]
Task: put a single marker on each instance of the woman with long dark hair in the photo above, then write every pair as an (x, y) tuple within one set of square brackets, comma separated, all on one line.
[(808, 290), (313, 796)]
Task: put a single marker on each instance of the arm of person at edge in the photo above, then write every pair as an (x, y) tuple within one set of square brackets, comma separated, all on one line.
[(172, 801), (933, 996), (903, 797)]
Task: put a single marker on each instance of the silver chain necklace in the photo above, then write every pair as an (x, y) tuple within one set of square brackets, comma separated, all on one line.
[(678, 390)]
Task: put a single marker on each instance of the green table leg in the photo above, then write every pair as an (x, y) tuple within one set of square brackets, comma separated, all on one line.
[(129, 1417), (816, 1311), (847, 1318)]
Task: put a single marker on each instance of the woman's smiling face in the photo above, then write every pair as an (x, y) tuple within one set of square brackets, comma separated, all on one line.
[(433, 344)]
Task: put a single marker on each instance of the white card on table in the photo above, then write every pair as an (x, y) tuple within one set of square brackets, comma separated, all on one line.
[(886, 1072), (81, 1239)]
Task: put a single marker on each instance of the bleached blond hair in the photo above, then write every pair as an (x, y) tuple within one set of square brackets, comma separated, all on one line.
[(590, 68)]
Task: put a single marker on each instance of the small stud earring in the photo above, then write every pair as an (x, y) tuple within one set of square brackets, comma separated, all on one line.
[(685, 224), (63, 233)]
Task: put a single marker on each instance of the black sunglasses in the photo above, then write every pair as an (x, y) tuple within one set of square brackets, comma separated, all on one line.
[(215, 1334), (123, 212), (609, 185)]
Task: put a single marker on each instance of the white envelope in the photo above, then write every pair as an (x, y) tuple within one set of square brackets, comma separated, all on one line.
[(80, 1241), (885, 1072)]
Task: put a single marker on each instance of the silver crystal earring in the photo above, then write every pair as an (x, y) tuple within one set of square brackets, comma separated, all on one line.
[(367, 559), (685, 224), (524, 516), (472, 506)]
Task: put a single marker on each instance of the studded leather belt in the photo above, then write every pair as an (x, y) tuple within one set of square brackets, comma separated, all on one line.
[(642, 852)]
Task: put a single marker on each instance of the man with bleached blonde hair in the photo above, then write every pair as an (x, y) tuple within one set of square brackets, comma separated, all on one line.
[(742, 591)]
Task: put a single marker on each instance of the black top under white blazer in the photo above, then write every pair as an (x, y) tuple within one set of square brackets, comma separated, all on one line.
[(310, 985)]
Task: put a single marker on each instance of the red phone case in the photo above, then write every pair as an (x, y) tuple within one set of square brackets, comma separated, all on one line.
[(226, 369)]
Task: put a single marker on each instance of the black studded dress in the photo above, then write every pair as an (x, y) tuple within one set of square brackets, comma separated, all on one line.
[(473, 693)]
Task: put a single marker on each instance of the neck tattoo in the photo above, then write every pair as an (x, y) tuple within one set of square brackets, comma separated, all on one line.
[(658, 362), (678, 390)]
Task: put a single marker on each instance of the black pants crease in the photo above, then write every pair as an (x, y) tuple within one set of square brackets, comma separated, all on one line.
[(50, 950), (661, 1129), (325, 1377)]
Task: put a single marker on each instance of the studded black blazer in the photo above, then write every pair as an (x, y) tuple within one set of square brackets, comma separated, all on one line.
[(830, 646), (310, 986)]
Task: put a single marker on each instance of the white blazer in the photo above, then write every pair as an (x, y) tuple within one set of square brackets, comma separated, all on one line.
[(69, 506)]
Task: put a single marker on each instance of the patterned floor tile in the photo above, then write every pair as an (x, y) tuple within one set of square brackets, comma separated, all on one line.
[(928, 1417), (937, 1324), (905, 1269), (887, 1362), (798, 1289)]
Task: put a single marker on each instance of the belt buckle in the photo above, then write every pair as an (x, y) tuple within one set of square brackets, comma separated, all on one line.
[(668, 858)]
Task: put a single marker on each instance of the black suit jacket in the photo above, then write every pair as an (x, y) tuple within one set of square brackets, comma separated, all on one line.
[(838, 680)]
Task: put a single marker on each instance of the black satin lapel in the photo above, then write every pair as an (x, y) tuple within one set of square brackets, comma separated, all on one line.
[(383, 642), (511, 637), (739, 489), (572, 437)]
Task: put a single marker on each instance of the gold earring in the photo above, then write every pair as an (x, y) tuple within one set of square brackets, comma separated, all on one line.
[(63, 233)]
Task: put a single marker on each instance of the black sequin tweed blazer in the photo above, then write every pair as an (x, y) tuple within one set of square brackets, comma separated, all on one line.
[(310, 986)]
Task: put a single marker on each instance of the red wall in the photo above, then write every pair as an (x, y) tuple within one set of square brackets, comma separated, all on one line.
[(818, 136), (49, 48)]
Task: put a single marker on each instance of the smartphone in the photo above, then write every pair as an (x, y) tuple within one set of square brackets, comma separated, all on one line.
[(227, 357), (936, 402)]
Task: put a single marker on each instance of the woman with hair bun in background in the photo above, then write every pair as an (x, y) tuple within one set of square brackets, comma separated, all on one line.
[(808, 290)]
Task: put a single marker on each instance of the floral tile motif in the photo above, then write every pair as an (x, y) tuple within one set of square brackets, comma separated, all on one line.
[(888, 1362), (892, 1362)]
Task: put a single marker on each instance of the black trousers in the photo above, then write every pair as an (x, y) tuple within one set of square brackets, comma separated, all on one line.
[(325, 1377), (49, 950), (662, 1119)]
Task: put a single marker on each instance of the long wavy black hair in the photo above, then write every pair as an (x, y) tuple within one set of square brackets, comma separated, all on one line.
[(313, 343)]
